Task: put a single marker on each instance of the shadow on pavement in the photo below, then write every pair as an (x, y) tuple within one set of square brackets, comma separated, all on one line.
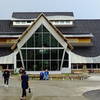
[(92, 95)]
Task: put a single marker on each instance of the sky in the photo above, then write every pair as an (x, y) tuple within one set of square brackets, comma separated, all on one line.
[(83, 9)]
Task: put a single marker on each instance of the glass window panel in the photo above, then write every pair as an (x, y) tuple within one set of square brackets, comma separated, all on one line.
[(30, 42), (65, 64), (23, 53), (80, 66), (94, 65), (59, 65), (38, 40), (30, 54), (54, 54), (66, 56), (46, 54), (54, 65), (61, 53), (38, 54), (25, 45), (89, 66), (98, 65), (30, 65), (59, 45), (46, 40), (38, 65), (74, 66), (46, 64), (54, 42)]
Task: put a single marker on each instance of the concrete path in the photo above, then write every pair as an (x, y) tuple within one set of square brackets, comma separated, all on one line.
[(51, 90), (94, 77)]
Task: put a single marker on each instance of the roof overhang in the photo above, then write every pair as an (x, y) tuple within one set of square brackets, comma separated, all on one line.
[(79, 36), (48, 17)]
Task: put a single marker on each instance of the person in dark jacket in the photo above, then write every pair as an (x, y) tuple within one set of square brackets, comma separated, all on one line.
[(24, 84), (6, 75), (42, 75)]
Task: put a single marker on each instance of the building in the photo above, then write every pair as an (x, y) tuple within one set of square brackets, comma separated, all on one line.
[(53, 40)]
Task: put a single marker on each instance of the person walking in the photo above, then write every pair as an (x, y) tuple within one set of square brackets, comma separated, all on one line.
[(24, 84), (6, 76)]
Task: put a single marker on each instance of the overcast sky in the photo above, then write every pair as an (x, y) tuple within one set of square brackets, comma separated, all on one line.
[(82, 8)]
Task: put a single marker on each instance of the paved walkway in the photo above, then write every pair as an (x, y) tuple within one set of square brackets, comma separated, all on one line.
[(94, 77), (51, 90)]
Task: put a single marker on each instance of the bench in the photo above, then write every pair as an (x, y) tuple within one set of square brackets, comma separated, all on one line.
[(79, 76), (57, 76), (34, 76), (51, 76)]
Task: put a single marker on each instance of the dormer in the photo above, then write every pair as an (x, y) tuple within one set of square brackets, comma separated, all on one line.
[(22, 23), (62, 23)]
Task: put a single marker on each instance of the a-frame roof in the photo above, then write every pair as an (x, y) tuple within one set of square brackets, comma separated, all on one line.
[(30, 27)]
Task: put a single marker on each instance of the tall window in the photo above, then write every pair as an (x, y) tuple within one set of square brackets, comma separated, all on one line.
[(42, 51)]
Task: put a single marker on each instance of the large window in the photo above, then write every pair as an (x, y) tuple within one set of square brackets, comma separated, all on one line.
[(43, 51), (42, 38)]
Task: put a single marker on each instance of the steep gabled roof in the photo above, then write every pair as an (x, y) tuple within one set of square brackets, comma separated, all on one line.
[(32, 15), (29, 28)]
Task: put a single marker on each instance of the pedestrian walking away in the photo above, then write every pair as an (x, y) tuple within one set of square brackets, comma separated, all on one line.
[(24, 84)]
